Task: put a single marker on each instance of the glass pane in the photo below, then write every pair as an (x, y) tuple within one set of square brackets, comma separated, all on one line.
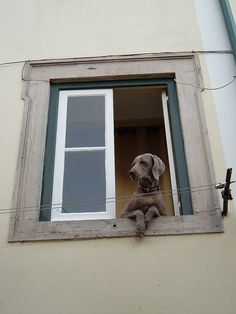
[(84, 188), (85, 126)]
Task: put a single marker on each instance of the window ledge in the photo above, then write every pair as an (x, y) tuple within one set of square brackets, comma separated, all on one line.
[(121, 227)]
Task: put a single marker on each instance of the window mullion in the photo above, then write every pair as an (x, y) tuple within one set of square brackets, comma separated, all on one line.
[(83, 149)]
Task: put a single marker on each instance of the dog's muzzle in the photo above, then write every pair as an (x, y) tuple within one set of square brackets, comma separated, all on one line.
[(133, 175)]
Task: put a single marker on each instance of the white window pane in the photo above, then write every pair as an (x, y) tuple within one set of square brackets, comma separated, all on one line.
[(84, 188), (84, 158), (85, 125)]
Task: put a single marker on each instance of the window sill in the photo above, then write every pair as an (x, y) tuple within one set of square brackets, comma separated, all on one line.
[(121, 227)]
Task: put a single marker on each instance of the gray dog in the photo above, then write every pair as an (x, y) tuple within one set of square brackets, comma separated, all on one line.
[(147, 202)]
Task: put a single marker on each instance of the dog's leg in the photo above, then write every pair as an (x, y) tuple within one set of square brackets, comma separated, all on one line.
[(129, 210), (138, 215), (161, 209), (152, 212), (140, 224)]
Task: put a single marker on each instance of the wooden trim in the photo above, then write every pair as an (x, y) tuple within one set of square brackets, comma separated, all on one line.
[(49, 156), (104, 59), (168, 84), (179, 149), (138, 122), (174, 186), (122, 227), (56, 212), (25, 225)]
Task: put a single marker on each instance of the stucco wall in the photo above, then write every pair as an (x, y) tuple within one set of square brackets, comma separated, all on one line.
[(218, 69), (51, 29), (172, 274), (233, 7), (179, 274)]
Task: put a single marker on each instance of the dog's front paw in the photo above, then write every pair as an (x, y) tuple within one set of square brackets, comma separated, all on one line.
[(140, 230), (147, 222)]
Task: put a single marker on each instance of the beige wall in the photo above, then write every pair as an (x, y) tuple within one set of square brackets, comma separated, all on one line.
[(233, 7), (171, 274), (38, 29)]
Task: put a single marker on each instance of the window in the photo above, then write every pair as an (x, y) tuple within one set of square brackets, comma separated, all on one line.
[(87, 170), (86, 135)]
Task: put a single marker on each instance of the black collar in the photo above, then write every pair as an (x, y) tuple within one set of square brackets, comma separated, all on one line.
[(146, 189)]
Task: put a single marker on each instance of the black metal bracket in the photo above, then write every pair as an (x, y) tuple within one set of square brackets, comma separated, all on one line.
[(226, 193)]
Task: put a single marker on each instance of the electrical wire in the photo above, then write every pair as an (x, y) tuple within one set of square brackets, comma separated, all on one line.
[(54, 206), (207, 88), (164, 192), (12, 62), (178, 82), (36, 81), (164, 52), (201, 188), (120, 198)]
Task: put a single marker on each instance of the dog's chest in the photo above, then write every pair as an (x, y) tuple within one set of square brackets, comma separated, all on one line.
[(145, 201)]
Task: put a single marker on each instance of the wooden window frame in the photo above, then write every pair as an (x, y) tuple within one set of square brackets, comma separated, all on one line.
[(174, 186), (166, 84), (39, 75)]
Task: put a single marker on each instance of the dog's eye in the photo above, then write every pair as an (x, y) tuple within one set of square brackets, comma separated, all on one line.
[(143, 163)]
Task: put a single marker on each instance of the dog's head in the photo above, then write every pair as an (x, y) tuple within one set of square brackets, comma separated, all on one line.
[(147, 169)]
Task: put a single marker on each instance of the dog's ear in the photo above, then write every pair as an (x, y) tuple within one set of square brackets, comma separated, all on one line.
[(158, 167)]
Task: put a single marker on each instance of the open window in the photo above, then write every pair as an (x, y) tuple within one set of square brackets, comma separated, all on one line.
[(142, 125), (97, 134)]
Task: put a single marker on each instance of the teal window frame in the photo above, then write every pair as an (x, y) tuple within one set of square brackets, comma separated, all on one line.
[(176, 133)]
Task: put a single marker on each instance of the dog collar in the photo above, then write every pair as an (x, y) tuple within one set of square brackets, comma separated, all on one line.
[(146, 189)]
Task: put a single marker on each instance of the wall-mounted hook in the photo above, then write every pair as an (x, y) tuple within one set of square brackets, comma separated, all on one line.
[(226, 193)]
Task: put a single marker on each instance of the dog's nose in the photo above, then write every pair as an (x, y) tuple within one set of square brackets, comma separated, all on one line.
[(132, 174), (131, 171)]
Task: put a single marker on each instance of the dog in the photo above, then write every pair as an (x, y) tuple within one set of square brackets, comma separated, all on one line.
[(147, 202)]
